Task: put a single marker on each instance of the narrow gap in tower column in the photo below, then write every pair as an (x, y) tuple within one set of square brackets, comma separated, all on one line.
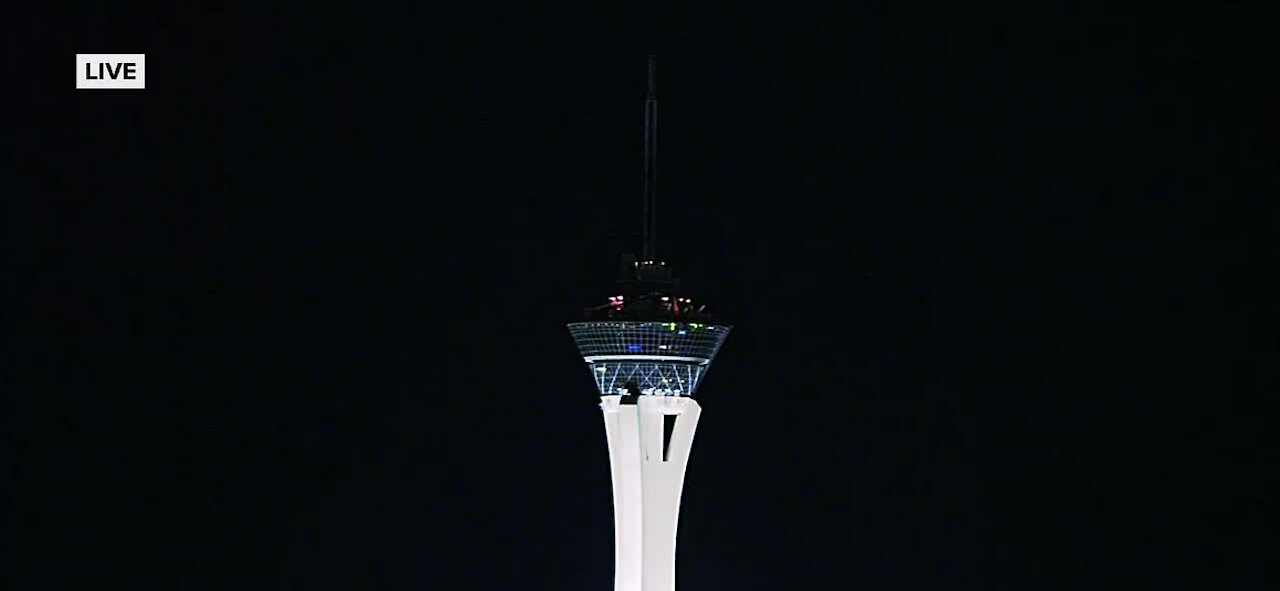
[(668, 425)]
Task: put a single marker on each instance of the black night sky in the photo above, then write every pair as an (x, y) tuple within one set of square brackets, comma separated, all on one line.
[(1005, 315)]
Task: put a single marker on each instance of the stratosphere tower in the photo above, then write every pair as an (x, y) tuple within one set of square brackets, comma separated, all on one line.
[(647, 348)]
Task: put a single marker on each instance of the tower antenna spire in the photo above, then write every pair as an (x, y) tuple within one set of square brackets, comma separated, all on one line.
[(651, 162)]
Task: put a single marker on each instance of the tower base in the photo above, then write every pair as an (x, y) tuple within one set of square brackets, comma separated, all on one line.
[(648, 453)]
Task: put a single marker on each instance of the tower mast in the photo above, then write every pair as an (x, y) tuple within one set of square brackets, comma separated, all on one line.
[(651, 163)]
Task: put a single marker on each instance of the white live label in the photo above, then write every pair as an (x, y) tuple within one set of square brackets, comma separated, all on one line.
[(111, 70)]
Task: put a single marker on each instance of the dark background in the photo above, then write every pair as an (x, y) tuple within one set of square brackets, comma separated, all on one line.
[(1004, 309)]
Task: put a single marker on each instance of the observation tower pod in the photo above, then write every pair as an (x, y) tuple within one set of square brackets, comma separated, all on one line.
[(648, 340)]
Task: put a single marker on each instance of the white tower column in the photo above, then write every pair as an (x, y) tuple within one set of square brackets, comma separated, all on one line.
[(648, 478)]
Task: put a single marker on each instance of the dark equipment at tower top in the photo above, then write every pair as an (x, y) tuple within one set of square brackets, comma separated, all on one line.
[(647, 289)]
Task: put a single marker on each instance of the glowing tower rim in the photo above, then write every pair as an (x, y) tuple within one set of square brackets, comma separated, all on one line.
[(648, 358)]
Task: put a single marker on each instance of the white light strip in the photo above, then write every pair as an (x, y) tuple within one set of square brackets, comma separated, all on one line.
[(595, 358)]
